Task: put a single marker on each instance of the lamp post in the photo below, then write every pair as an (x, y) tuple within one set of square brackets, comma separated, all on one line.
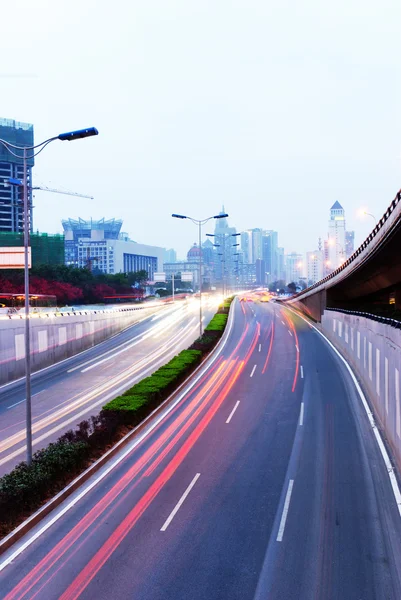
[(21, 152), (199, 223)]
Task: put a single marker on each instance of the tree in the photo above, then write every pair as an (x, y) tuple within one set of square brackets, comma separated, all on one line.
[(292, 287)]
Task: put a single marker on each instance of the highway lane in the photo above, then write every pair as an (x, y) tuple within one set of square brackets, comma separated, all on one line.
[(70, 391), (263, 480)]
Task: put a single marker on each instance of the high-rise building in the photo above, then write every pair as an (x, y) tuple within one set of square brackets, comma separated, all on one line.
[(294, 267), (257, 235), (11, 206), (260, 267), (246, 247), (270, 254), (225, 237), (349, 243), (170, 256), (208, 253), (280, 264), (336, 236), (314, 266)]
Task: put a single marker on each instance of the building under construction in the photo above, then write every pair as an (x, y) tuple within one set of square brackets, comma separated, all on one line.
[(47, 249)]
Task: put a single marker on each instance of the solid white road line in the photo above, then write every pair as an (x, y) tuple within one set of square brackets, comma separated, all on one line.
[(179, 503), (285, 512), (301, 415), (32, 537), (23, 400), (370, 415), (302, 372), (16, 404), (233, 411), (253, 371), (297, 348)]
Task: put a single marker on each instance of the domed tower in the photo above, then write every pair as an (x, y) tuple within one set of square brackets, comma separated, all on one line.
[(193, 253)]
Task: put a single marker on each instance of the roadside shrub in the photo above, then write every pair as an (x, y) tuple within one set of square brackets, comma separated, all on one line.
[(27, 486), (218, 323)]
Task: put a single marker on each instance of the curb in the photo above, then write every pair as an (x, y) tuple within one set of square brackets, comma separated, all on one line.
[(42, 512)]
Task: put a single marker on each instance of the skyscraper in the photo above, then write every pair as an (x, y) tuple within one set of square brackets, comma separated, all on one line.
[(224, 236), (11, 207), (349, 243), (257, 235), (246, 247), (336, 236), (270, 254)]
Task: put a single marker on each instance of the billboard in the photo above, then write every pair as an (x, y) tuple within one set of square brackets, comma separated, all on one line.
[(13, 257), (186, 276), (159, 277)]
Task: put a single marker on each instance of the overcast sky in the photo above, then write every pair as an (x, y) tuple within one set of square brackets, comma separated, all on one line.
[(274, 109)]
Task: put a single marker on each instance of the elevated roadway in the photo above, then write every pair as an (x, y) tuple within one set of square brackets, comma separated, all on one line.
[(371, 276), (262, 479)]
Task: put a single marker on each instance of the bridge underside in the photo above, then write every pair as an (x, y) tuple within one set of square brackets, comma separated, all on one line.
[(375, 286)]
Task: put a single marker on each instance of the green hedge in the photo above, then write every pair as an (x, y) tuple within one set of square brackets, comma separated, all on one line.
[(218, 323), (25, 488), (158, 386)]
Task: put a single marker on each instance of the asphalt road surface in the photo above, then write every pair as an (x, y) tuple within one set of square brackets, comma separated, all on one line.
[(262, 479), (74, 389)]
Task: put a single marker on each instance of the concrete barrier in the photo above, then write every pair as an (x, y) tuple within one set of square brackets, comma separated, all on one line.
[(374, 351), (56, 336)]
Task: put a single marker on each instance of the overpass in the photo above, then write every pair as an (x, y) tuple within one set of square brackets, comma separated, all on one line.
[(369, 281)]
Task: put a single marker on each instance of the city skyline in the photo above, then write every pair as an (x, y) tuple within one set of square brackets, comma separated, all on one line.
[(196, 125)]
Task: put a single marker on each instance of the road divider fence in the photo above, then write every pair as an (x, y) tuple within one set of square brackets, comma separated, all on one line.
[(57, 336)]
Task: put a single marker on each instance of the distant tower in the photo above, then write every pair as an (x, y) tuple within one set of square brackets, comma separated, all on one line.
[(336, 237)]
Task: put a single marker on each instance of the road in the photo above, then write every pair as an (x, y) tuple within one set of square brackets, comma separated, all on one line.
[(74, 389), (262, 479)]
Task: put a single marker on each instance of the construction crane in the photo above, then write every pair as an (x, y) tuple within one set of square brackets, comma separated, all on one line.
[(44, 188)]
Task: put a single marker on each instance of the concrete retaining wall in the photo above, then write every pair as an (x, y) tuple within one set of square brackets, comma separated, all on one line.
[(374, 351), (56, 337)]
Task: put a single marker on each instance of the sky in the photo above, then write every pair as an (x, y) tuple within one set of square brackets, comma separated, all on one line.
[(274, 109)]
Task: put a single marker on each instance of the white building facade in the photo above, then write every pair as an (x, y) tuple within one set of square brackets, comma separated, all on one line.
[(294, 267), (314, 266)]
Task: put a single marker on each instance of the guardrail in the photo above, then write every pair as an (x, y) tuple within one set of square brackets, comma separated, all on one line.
[(72, 313), (373, 317)]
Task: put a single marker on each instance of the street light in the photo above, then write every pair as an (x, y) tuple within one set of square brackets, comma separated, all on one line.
[(14, 150), (199, 223), (370, 215)]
